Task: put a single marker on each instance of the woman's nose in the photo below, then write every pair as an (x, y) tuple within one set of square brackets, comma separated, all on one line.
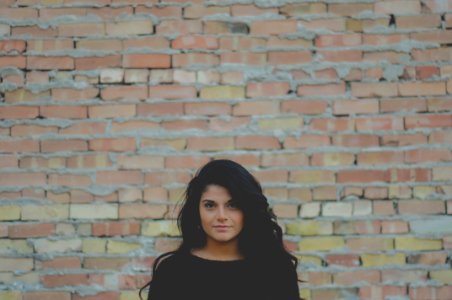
[(221, 213)]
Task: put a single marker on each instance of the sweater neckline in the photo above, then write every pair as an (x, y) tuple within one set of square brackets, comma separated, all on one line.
[(213, 261)]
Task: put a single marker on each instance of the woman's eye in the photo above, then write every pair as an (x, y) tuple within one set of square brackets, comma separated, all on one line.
[(208, 205), (233, 205)]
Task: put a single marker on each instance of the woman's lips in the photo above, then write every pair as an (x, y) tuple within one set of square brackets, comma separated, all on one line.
[(221, 227)]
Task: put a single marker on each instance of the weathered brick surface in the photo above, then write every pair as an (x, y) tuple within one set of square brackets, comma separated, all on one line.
[(342, 109)]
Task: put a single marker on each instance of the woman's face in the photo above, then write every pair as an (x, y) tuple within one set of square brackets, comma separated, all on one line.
[(221, 219)]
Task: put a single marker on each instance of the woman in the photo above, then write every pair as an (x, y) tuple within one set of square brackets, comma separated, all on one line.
[(231, 248)]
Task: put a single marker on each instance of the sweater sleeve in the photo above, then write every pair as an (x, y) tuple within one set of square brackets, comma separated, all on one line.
[(286, 282), (162, 281)]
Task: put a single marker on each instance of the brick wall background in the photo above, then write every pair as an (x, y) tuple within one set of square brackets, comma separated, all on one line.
[(342, 109)]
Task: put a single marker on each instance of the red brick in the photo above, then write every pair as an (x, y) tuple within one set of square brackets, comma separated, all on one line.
[(18, 112), (304, 107), (250, 10), (52, 281), (22, 179), (267, 89), (124, 92), (346, 260), (394, 227), (332, 159), (195, 42), (419, 207), (69, 180), (86, 128), (381, 292), (111, 111), (379, 158), (250, 108), (19, 13), (399, 7), (338, 40), (116, 228), (180, 125), (379, 123), (428, 121), (47, 296), (91, 63), (119, 177), (113, 144), (257, 142), (101, 44), (359, 140), (437, 54), (74, 94), (13, 61), (179, 26), (63, 112), (341, 55), (338, 124), (177, 162), (240, 43), (31, 230), (199, 11), (427, 155), (410, 175), (347, 107), (403, 139), (149, 42), (248, 58), (380, 89), (26, 130), (98, 296), (403, 105), (8, 161), (422, 88), (63, 145), (430, 292), (66, 262), (142, 211), (146, 61), (331, 89), (34, 31), (50, 63), (18, 146), (187, 59), (354, 277), (207, 108), (12, 45), (229, 124), (160, 109), (210, 143), (273, 27), (307, 141), (172, 92), (161, 12), (289, 57), (81, 29), (363, 176), (163, 178), (349, 9)]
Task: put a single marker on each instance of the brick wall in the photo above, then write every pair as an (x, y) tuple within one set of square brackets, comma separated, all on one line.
[(342, 109)]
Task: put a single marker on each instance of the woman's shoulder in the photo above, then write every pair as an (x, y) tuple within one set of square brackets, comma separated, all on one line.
[(170, 260)]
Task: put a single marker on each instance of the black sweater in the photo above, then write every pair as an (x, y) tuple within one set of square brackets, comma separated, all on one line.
[(185, 276)]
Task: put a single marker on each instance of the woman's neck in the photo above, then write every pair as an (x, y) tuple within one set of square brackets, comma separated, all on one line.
[(219, 251)]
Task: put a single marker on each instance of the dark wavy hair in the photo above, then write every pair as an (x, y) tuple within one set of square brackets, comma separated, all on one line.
[(261, 239)]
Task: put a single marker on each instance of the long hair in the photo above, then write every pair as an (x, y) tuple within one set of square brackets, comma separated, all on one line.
[(261, 239)]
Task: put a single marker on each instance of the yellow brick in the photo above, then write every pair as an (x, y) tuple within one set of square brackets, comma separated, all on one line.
[(46, 246), (309, 228), (161, 228), (321, 243), (423, 192), (132, 295), (442, 173), (376, 260), (94, 246), (354, 25), (305, 294), (15, 264), (45, 212), (176, 195), (20, 95), (312, 176), (122, 247), (309, 259), (10, 295), (94, 211), (280, 123), (412, 243), (223, 92), (176, 144), (443, 276), (9, 212), (15, 246)]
